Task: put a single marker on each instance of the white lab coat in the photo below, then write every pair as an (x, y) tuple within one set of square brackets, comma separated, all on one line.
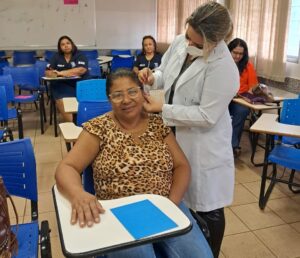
[(203, 125)]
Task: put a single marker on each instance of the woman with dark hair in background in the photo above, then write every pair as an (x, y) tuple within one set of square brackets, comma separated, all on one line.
[(149, 57), (67, 62), (248, 79)]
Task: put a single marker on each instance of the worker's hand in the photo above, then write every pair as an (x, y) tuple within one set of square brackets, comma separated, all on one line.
[(146, 76), (151, 105)]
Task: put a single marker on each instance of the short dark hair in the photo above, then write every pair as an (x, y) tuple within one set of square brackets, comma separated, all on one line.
[(148, 37), (74, 48), (237, 42), (121, 73)]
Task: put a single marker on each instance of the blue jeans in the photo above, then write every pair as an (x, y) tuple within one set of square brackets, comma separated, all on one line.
[(192, 245), (238, 115)]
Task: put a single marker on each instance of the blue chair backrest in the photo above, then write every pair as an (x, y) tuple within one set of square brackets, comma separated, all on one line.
[(24, 57), (122, 62), (3, 62), (89, 110), (7, 82), (3, 104), (90, 54), (41, 67), (28, 75), (94, 68), (48, 54), (290, 112), (88, 180), (138, 52), (91, 90), (18, 168), (116, 52)]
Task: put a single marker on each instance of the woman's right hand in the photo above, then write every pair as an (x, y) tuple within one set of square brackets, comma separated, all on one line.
[(85, 209), (146, 76)]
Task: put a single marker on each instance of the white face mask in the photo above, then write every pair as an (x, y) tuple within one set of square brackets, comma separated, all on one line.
[(194, 51)]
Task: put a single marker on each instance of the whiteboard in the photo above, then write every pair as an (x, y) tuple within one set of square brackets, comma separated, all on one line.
[(39, 23), (121, 24)]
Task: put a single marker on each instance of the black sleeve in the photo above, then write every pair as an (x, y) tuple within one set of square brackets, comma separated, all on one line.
[(137, 61), (53, 62), (81, 61)]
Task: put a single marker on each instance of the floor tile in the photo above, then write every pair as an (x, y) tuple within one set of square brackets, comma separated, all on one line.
[(286, 209), (45, 183), (281, 240), (254, 188), (233, 224), (296, 226), (243, 196), (245, 245), (256, 218), (244, 174), (56, 248)]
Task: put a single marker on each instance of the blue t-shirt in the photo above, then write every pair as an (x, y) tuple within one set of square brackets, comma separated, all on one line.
[(141, 61)]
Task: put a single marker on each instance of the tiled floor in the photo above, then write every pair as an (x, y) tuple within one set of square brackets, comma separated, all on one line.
[(250, 232)]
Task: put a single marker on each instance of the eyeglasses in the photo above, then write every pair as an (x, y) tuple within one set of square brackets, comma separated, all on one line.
[(118, 96)]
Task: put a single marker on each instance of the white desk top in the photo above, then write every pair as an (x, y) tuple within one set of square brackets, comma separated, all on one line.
[(110, 234), (258, 106), (104, 59), (70, 131), (268, 124), (60, 78), (70, 105)]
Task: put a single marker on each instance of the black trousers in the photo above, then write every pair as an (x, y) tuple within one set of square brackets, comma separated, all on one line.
[(215, 221)]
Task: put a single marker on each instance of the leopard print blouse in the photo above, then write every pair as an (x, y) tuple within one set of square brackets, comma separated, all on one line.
[(124, 167)]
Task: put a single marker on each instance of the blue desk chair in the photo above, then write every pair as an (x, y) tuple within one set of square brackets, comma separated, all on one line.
[(24, 57), (28, 76), (290, 114), (138, 52), (122, 62), (7, 114), (94, 69), (48, 54), (18, 169), (90, 54), (88, 110), (116, 52), (91, 90), (3, 61)]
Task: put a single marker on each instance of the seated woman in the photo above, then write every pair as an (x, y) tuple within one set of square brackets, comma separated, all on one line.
[(67, 62), (248, 79), (149, 57), (132, 152)]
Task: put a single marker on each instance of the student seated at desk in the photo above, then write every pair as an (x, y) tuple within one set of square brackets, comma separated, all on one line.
[(149, 57), (248, 79), (67, 62), (132, 152)]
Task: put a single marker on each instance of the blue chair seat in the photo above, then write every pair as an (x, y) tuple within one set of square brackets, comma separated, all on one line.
[(286, 156), (290, 140), (26, 98), (27, 234)]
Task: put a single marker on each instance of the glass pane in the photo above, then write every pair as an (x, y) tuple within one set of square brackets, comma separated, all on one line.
[(294, 30)]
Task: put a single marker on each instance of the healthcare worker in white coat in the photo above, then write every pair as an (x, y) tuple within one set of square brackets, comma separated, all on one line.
[(200, 79)]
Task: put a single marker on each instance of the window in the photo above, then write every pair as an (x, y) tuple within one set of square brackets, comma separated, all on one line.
[(294, 33)]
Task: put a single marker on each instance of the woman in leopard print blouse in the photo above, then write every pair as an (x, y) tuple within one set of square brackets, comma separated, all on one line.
[(131, 152)]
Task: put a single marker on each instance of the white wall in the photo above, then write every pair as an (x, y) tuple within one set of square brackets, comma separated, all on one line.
[(32, 24), (293, 70)]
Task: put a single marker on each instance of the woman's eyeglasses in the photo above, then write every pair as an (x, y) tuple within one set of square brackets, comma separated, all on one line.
[(118, 96)]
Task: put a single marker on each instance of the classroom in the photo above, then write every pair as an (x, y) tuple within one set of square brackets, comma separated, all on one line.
[(179, 118)]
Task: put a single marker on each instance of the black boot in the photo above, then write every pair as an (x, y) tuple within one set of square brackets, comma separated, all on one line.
[(216, 224)]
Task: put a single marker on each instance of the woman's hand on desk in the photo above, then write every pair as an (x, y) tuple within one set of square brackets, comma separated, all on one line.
[(85, 209)]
